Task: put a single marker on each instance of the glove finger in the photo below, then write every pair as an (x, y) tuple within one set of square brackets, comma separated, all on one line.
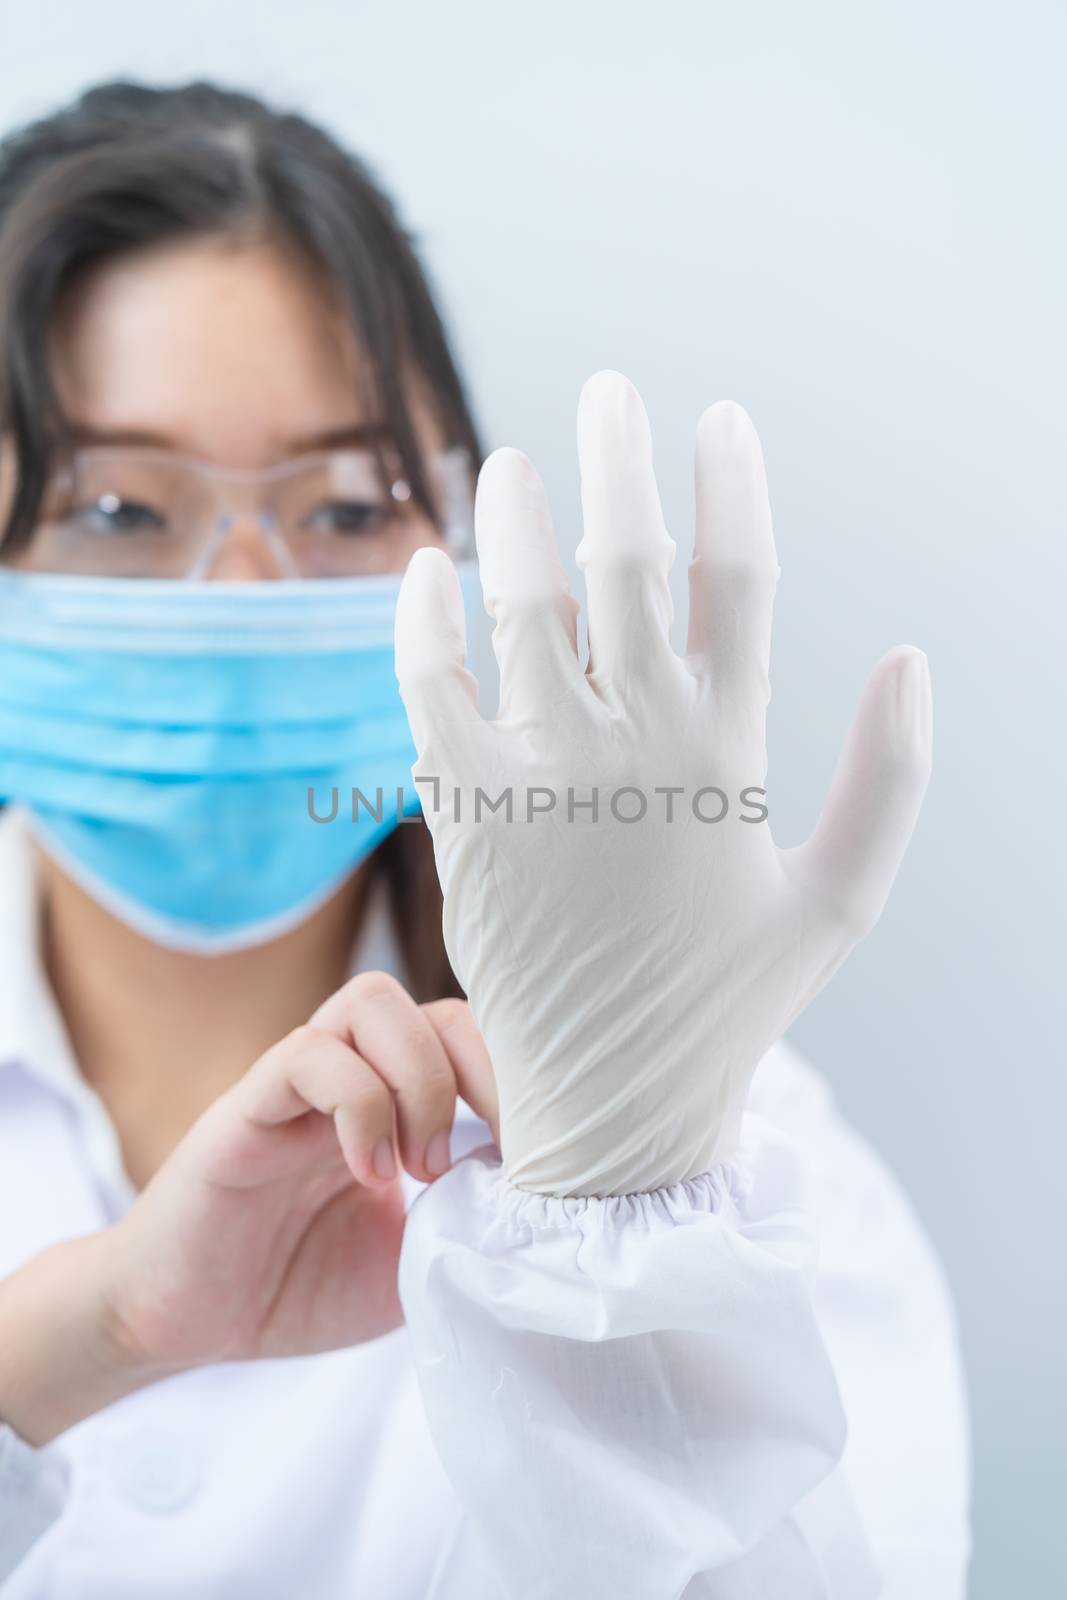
[(734, 571), (526, 591), (625, 553), (440, 694), (857, 845)]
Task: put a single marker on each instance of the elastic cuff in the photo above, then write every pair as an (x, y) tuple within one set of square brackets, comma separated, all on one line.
[(721, 1191)]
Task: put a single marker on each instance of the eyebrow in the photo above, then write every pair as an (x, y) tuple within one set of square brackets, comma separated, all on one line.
[(351, 434)]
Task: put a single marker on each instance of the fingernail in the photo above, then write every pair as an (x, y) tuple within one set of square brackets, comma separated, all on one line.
[(384, 1162), (438, 1152)]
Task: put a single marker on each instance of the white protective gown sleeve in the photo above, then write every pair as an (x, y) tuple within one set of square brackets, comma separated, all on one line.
[(631, 1395), (616, 1342)]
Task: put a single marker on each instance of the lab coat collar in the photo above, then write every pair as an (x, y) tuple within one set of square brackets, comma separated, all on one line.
[(32, 1032)]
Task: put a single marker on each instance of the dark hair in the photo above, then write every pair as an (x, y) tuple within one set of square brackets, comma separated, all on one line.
[(127, 165)]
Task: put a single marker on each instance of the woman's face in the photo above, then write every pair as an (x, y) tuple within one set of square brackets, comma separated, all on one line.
[(231, 352)]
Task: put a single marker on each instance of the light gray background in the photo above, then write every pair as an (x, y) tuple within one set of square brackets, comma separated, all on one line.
[(850, 218)]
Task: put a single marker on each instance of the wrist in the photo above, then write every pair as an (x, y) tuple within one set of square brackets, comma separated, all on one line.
[(632, 1155), (64, 1355)]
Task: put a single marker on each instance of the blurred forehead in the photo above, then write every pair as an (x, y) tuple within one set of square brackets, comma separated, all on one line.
[(229, 350)]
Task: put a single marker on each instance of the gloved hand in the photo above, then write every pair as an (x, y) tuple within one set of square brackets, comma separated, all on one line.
[(629, 969)]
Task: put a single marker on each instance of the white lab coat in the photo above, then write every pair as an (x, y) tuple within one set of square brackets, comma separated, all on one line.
[(745, 1387)]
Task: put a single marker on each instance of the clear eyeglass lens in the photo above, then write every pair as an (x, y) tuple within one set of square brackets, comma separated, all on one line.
[(338, 519), (115, 514)]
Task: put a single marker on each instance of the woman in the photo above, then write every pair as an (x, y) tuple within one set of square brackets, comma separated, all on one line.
[(232, 1048)]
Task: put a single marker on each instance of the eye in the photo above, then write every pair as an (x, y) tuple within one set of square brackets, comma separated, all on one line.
[(347, 517), (109, 514)]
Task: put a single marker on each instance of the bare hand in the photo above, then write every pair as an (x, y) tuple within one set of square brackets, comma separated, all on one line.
[(274, 1228)]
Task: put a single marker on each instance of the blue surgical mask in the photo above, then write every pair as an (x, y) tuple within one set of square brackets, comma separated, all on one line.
[(174, 742)]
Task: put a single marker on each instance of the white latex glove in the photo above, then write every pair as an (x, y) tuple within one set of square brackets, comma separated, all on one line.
[(629, 975)]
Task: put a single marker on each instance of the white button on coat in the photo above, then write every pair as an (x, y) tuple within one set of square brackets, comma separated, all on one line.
[(156, 1468)]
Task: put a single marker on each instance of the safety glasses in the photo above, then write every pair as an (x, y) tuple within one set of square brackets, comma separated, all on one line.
[(146, 513)]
